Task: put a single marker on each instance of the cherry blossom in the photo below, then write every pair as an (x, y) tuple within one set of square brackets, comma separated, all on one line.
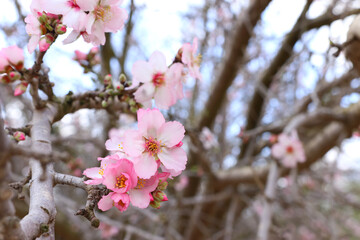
[(120, 200), (155, 142), (189, 58), (289, 150), (34, 30), (140, 195), (120, 176), (159, 82)]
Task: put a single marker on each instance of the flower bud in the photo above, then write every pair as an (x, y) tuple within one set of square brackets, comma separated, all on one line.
[(19, 136), (13, 76), (43, 45), (60, 29), (108, 79), (120, 87), (155, 204), (159, 196), (20, 88), (104, 104), (122, 78), (162, 185), (4, 79)]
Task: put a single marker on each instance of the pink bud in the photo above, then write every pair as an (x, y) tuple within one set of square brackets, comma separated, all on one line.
[(43, 45), (94, 50), (13, 76), (5, 79), (20, 88), (19, 136), (179, 144), (60, 29), (80, 56)]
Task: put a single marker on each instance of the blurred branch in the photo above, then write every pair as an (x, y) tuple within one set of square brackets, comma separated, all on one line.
[(326, 138), (127, 38), (233, 56), (302, 25)]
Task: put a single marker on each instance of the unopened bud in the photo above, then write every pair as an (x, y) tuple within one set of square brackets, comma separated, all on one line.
[(120, 87), (133, 109), (104, 104), (60, 29), (43, 45), (19, 136), (5, 79), (108, 79), (20, 88), (13, 76), (159, 196), (49, 38), (122, 78), (162, 185), (132, 102), (155, 204)]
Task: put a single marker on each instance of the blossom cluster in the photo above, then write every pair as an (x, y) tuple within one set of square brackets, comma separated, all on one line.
[(90, 19), (88, 60), (11, 68), (289, 150), (162, 83), (141, 162)]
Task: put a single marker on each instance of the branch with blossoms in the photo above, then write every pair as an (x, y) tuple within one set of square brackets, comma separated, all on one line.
[(142, 161)]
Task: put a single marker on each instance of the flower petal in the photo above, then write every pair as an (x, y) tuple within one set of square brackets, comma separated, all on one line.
[(134, 143), (146, 166), (142, 72), (171, 133), (106, 202), (173, 158), (140, 199), (158, 62), (149, 121)]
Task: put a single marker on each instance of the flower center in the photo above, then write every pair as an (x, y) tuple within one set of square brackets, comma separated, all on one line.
[(197, 60), (121, 203), (158, 79), (73, 4), (120, 182), (152, 146), (101, 171), (141, 183), (102, 13), (289, 149)]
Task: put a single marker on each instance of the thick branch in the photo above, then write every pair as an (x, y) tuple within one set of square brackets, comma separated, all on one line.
[(234, 54)]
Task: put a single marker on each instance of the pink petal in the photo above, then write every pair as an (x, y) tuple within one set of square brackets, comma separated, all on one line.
[(173, 158), (116, 23), (171, 133), (106, 202), (164, 97), (278, 150), (146, 166), (133, 143), (142, 72), (158, 62), (71, 37), (145, 93), (94, 181), (87, 5), (149, 121), (140, 199), (93, 172)]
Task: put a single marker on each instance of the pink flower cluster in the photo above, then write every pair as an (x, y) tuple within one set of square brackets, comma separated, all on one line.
[(162, 83), (289, 150), (141, 163), (88, 18), (11, 66), (88, 60)]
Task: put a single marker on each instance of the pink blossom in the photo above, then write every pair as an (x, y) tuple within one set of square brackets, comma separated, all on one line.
[(73, 11), (120, 176), (192, 61), (3, 62), (105, 16), (182, 183), (120, 200), (14, 55), (140, 195), (96, 173), (208, 139), (43, 45), (155, 142), (289, 150), (33, 28), (159, 82), (108, 231)]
